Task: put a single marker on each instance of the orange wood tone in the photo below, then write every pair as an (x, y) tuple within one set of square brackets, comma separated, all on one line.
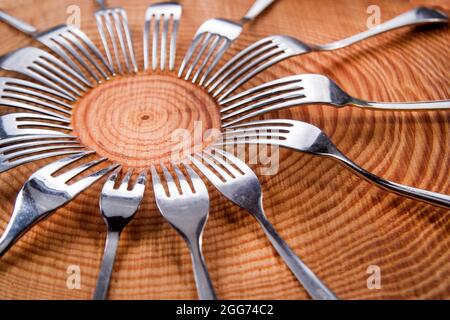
[(339, 224)]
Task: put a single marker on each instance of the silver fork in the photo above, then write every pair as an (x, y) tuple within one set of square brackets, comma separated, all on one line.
[(166, 11), (17, 154), (43, 193), (273, 49), (241, 186), (307, 89), (45, 68), (304, 137), (115, 21), (215, 36), (15, 125), (187, 211), (118, 206), (66, 41)]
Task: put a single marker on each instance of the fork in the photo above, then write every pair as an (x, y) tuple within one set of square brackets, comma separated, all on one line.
[(43, 193), (10, 157), (273, 49), (15, 125), (45, 68), (216, 36), (304, 137), (187, 212), (166, 11), (307, 89), (66, 41), (118, 206), (241, 186), (115, 21)]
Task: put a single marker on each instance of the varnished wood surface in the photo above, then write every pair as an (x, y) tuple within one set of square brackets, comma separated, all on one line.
[(338, 223)]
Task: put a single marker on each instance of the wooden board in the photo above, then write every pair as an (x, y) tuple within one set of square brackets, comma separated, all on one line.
[(339, 224)]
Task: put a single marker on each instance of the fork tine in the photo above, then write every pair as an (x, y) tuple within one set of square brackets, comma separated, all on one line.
[(297, 95), (110, 29), (54, 61), (141, 179), (245, 140), (213, 177), (16, 83), (220, 52), (278, 106), (164, 42), (50, 75), (35, 150), (61, 163), (223, 162), (99, 17), (85, 39), (235, 160), (212, 48), (111, 181), (158, 188), (185, 188), (5, 166), (198, 56), (34, 144), (63, 41), (16, 94), (173, 44), (119, 33), (15, 139), (264, 90), (234, 73), (34, 73), (60, 74), (249, 76), (18, 104), (84, 183), (66, 176), (189, 53), (126, 180), (129, 39), (227, 72), (171, 186), (197, 183), (237, 58), (155, 43)]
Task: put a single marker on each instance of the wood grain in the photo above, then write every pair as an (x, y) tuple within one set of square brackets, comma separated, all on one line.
[(338, 223)]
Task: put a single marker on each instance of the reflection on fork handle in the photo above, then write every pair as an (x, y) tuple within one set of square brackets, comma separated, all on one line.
[(258, 7), (18, 24), (203, 282), (312, 284), (404, 106), (104, 277), (417, 16), (433, 198)]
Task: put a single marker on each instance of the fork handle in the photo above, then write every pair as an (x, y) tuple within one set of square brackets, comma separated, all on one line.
[(433, 198), (417, 16), (203, 282), (312, 284), (404, 106), (109, 255), (258, 7), (18, 24)]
